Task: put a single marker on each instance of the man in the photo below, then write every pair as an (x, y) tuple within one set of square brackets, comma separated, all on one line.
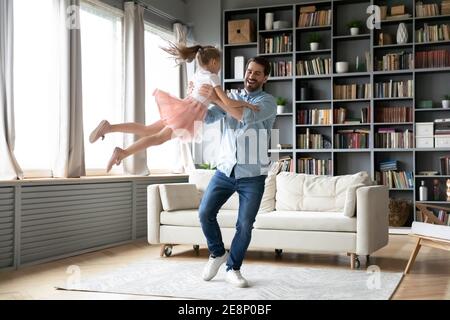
[(239, 169)]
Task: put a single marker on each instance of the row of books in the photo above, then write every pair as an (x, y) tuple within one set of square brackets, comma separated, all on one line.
[(314, 116), (284, 164), (427, 10), (352, 139), (317, 18), (315, 166), (314, 67), (445, 165), (444, 217), (393, 114), (395, 179), (341, 116), (433, 33), (394, 89), (441, 127), (433, 59), (281, 68), (388, 138), (352, 91), (278, 44), (395, 61), (312, 141), (389, 165)]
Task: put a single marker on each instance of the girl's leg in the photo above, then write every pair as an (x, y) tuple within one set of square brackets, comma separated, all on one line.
[(119, 154), (135, 128)]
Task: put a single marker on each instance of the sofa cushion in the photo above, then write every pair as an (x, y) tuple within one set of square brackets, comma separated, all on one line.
[(275, 220), (189, 218), (201, 179), (350, 200), (306, 221), (179, 196), (301, 192)]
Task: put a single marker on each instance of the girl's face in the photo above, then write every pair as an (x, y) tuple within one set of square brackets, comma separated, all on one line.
[(214, 66)]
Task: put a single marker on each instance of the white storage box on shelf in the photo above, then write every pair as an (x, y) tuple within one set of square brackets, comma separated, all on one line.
[(425, 135)]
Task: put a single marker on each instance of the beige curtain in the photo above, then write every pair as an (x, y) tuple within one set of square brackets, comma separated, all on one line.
[(9, 168), (186, 160), (134, 82), (70, 154)]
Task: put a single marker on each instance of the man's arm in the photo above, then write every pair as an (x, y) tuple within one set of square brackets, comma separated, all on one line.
[(209, 92)]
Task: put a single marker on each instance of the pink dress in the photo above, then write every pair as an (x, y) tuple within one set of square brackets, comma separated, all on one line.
[(185, 116), (181, 115)]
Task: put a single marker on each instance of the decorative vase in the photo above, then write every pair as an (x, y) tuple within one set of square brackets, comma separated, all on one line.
[(446, 104), (281, 109), (402, 34), (341, 67), (269, 20), (354, 31), (314, 46)]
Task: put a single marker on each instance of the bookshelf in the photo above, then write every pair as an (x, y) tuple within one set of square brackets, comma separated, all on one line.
[(369, 114)]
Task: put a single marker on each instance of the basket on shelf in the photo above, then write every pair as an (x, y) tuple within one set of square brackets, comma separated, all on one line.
[(399, 211)]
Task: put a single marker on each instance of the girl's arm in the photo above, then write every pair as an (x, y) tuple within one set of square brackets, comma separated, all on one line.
[(230, 103)]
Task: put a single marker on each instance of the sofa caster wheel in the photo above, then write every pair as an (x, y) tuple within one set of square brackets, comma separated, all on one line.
[(278, 253), (196, 248), (168, 250)]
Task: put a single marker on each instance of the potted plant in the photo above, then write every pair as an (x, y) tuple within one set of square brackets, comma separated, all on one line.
[(314, 41), (281, 105), (446, 101), (354, 26)]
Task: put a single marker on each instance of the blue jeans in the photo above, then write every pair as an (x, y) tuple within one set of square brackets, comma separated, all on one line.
[(219, 190)]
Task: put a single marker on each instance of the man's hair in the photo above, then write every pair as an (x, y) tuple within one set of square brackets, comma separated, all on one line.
[(261, 61)]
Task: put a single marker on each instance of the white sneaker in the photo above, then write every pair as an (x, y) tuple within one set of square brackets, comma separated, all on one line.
[(212, 267), (235, 278)]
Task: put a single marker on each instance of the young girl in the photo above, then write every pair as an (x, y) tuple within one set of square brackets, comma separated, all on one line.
[(178, 116)]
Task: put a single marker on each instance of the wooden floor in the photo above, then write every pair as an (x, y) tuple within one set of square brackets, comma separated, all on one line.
[(429, 277)]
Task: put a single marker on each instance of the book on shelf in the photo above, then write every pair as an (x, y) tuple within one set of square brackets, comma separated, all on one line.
[(394, 89), (352, 139), (352, 91), (444, 163), (316, 18), (278, 44), (445, 7), (433, 59), (395, 61), (389, 165), (433, 33), (395, 179), (427, 10), (310, 140), (281, 68), (315, 66), (282, 146), (444, 217), (398, 17), (284, 164), (315, 166), (314, 116), (442, 127), (389, 138), (393, 114)]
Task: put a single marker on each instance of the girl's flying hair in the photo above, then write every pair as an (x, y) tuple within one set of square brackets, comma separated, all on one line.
[(182, 53)]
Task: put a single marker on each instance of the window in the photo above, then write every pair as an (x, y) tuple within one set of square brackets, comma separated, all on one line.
[(35, 76), (103, 90), (161, 72)]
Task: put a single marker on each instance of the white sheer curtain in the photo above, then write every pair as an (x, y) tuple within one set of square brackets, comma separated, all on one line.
[(186, 159), (70, 154), (9, 168), (134, 82)]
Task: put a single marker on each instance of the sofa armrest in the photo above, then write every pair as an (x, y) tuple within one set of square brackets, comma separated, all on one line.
[(372, 222), (154, 209)]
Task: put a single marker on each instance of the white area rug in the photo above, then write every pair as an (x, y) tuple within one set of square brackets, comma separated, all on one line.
[(181, 279)]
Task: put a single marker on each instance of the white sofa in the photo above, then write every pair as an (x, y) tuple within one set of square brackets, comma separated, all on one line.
[(343, 214)]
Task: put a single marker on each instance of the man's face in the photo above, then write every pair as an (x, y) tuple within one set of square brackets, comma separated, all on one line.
[(254, 77)]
